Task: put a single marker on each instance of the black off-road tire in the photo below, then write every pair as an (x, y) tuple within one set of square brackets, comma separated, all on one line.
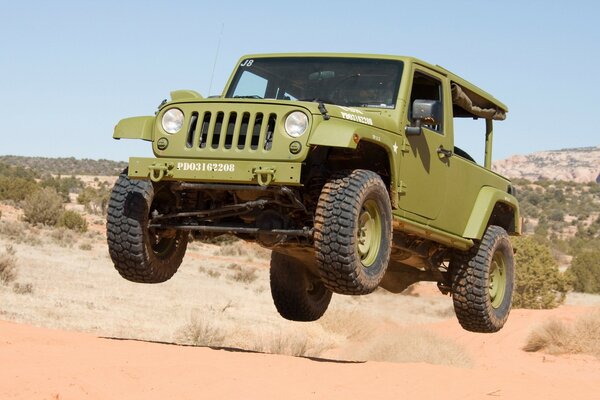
[(138, 254), (298, 294), (345, 264), (482, 296)]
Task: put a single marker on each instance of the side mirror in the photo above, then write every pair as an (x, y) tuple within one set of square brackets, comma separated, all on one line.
[(425, 112)]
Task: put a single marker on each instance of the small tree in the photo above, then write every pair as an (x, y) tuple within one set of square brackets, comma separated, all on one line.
[(585, 271), (43, 207), (72, 220), (539, 284), (94, 200), (15, 188)]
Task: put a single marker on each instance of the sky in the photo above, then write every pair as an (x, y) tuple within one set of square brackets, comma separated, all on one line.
[(70, 70)]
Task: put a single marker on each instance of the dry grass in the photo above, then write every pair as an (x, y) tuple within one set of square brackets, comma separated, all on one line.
[(212, 330), (351, 324), (296, 344), (241, 274), (234, 249), (210, 272), (63, 237), (23, 288), (200, 331), (242, 249), (557, 337), (412, 346), (8, 266), (19, 232), (77, 288)]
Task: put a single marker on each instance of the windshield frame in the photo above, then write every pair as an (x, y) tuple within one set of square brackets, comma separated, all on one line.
[(379, 76)]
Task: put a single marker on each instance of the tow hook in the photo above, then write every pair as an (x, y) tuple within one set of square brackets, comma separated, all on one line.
[(264, 176), (158, 171)]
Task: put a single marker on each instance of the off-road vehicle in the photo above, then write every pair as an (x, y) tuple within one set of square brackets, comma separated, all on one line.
[(344, 165)]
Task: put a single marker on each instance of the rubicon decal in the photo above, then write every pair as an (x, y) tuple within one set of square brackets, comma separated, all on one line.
[(354, 114)]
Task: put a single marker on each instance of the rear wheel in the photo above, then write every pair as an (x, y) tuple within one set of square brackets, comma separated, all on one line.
[(483, 282), (353, 232), (298, 294), (141, 254)]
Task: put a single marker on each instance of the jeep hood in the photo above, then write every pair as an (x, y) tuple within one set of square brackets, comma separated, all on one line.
[(376, 117)]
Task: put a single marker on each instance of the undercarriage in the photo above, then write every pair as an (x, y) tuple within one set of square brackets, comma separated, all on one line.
[(282, 219)]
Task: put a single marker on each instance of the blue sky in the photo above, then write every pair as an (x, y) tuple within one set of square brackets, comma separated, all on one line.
[(69, 70)]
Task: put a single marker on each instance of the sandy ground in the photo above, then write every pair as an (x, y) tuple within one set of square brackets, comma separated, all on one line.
[(82, 332), (40, 363)]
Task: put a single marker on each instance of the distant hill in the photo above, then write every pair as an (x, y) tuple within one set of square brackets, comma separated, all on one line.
[(66, 166), (580, 165), (574, 165)]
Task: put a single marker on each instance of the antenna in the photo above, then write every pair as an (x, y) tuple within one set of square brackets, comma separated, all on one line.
[(212, 76)]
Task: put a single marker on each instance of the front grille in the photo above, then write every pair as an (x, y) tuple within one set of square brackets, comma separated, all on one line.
[(226, 130)]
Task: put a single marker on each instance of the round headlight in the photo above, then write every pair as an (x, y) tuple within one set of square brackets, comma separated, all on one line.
[(172, 120), (296, 124)]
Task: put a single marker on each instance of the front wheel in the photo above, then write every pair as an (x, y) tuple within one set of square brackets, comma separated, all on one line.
[(483, 282), (353, 232), (141, 254)]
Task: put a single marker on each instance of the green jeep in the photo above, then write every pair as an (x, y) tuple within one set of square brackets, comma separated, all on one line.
[(343, 165)]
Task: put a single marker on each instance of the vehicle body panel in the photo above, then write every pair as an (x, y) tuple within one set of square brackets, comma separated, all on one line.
[(445, 198)]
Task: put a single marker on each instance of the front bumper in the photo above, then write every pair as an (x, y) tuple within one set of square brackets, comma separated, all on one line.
[(209, 170)]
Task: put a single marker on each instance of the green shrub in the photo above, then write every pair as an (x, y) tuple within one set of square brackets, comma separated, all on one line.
[(94, 200), (585, 272), (63, 186), (17, 189), (13, 171), (556, 215), (538, 282), (72, 220), (43, 207)]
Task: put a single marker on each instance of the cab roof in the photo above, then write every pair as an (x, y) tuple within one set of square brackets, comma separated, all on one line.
[(472, 100)]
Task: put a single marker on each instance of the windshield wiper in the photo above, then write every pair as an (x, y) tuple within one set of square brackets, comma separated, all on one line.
[(247, 97), (321, 103), (323, 110)]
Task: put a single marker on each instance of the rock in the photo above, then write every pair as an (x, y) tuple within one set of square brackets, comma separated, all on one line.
[(576, 165)]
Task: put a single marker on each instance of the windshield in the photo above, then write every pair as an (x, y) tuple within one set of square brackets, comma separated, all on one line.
[(352, 82)]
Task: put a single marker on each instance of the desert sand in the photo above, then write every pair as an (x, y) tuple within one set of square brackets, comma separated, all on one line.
[(82, 332), (41, 363)]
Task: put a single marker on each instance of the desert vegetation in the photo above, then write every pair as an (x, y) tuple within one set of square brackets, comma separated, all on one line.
[(42, 198), (585, 271), (66, 166), (558, 337), (539, 283), (9, 272), (214, 300), (8, 266), (219, 298), (564, 217), (52, 230)]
